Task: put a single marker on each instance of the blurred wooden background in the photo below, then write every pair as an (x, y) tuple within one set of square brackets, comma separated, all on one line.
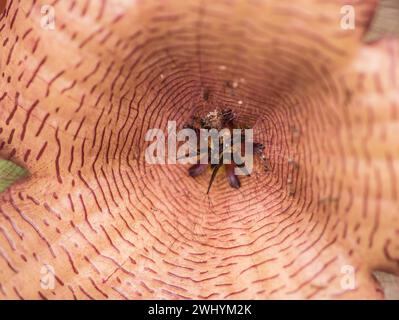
[(386, 24)]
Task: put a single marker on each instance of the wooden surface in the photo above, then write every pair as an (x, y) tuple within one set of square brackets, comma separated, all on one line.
[(389, 283), (385, 22)]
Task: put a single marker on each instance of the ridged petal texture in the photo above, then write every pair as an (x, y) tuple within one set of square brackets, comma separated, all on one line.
[(93, 220)]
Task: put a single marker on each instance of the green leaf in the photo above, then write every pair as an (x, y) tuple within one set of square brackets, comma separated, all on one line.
[(9, 173)]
